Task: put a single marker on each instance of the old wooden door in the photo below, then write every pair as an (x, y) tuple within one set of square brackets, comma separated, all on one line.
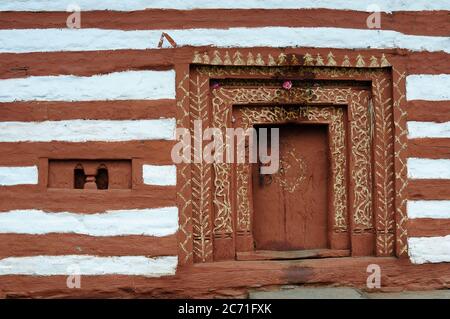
[(291, 206)]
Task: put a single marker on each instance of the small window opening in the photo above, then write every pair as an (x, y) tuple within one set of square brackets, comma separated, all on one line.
[(102, 177), (79, 177)]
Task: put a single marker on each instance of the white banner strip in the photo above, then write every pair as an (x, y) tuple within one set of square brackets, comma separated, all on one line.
[(129, 85), (431, 87), (164, 175), (132, 5), (428, 209), (87, 130), (424, 168), (89, 265), (18, 175), (429, 249), (428, 129), (37, 40), (148, 222)]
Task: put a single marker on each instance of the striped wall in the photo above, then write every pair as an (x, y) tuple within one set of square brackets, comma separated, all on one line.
[(429, 168), (109, 89), (120, 115)]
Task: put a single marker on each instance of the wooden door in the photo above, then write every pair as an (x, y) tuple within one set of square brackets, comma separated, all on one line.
[(291, 206)]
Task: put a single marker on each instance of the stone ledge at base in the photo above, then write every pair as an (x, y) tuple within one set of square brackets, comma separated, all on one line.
[(289, 292)]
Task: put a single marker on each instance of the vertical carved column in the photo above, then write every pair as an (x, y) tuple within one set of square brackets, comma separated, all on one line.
[(223, 222), (243, 197), (201, 171), (384, 166), (401, 176), (184, 201), (361, 128)]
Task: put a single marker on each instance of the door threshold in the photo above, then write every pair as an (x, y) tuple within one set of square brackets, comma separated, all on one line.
[(291, 254)]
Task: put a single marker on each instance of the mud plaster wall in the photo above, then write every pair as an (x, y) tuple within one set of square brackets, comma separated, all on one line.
[(117, 98)]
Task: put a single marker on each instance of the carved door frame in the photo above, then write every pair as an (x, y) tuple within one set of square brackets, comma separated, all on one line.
[(310, 112), (195, 101)]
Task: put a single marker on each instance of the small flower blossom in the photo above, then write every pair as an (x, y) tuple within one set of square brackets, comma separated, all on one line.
[(287, 85)]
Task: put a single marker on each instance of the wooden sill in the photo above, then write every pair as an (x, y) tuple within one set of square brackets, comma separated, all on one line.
[(291, 254)]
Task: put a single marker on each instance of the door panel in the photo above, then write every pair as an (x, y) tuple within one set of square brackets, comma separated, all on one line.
[(291, 206)]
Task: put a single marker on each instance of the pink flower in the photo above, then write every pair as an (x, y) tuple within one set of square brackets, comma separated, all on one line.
[(287, 85)]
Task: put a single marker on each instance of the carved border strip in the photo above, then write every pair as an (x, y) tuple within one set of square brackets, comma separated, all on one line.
[(201, 172), (360, 132), (221, 57), (401, 175), (341, 73), (335, 116), (384, 166), (184, 177)]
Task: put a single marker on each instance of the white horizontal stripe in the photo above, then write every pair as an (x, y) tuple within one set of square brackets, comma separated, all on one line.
[(421, 168), (428, 129), (428, 208), (130, 85), (18, 175), (429, 249), (131, 5), (431, 87), (149, 222), (87, 130), (159, 174), (37, 40), (89, 265)]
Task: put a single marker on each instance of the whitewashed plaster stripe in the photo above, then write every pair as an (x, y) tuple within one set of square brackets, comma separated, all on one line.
[(48, 40), (164, 175), (88, 130), (431, 87), (424, 168), (428, 209), (131, 5), (429, 249), (128, 85), (149, 222), (89, 265), (18, 175), (418, 129)]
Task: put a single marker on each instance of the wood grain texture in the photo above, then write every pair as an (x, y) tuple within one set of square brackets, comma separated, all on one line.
[(93, 201), (429, 189), (405, 22), (429, 111), (21, 245), (24, 153), (428, 227), (434, 148), (92, 110)]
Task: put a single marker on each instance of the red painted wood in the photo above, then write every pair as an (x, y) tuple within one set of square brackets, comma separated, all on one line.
[(287, 219)]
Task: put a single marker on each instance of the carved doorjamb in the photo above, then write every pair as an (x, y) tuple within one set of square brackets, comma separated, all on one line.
[(334, 117), (223, 99), (390, 232)]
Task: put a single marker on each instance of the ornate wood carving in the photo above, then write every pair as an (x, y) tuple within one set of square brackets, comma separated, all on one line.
[(184, 187), (212, 202), (335, 116), (401, 176), (308, 59), (201, 172)]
